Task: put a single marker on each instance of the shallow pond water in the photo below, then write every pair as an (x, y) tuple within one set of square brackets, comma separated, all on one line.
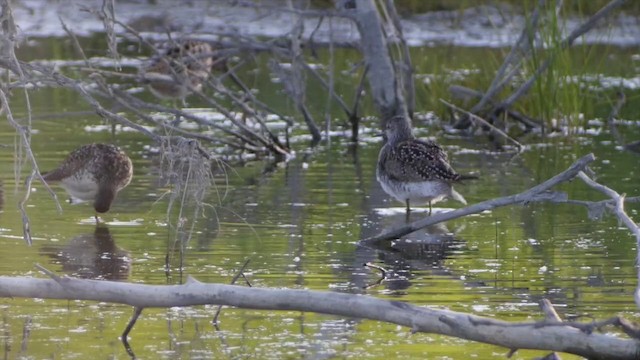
[(299, 224)]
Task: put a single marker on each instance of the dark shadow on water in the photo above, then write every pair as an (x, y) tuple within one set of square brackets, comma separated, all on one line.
[(424, 250), (92, 256)]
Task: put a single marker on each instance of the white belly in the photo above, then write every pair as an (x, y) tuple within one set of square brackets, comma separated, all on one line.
[(419, 193), (81, 188)]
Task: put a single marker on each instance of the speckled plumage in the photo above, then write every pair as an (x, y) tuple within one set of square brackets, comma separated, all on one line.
[(412, 170), (94, 172), (183, 68)]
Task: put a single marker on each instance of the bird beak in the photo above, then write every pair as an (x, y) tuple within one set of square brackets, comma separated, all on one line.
[(380, 134)]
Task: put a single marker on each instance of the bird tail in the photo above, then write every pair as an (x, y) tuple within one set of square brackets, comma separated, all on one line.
[(468, 177), (458, 197)]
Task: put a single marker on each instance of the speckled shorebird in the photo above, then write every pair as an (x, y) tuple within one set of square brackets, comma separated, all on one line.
[(412, 170), (182, 69), (94, 172)]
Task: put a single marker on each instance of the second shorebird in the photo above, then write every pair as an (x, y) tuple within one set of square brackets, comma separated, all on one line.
[(414, 171), (94, 172), (181, 69)]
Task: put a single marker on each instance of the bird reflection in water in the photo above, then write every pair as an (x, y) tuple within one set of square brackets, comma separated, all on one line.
[(423, 250), (92, 256)]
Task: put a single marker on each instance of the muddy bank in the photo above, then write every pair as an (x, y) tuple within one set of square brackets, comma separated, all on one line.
[(483, 26)]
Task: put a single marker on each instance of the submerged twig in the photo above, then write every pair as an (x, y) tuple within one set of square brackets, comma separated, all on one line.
[(383, 274), (233, 281), (136, 314)]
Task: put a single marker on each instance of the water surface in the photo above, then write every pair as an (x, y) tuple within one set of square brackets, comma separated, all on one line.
[(299, 224)]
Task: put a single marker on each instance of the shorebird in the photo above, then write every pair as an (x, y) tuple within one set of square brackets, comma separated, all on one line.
[(94, 172), (181, 70), (415, 171)]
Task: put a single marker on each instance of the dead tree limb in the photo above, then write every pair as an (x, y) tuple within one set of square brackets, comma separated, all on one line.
[(524, 335), (618, 210), (406, 67), (463, 92), (381, 74)]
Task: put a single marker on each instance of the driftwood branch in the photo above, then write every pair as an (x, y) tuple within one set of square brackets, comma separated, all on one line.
[(535, 194), (381, 75), (404, 67), (524, 335)]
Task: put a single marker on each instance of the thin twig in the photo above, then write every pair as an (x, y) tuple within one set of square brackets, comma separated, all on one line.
[(355, 119), (233, 281), (49, 273), (325, 85), (406, 82), (383, 274), (74, 41), (485, 123), (136, 313), (615, 110), (23, 133)]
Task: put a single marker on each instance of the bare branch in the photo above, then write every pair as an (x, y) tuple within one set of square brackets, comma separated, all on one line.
[(485, 123), (618, 210), (233, 281), (381, 74)]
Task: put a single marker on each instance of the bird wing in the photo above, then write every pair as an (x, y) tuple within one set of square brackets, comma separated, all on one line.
[(74, 162), (419, 160)]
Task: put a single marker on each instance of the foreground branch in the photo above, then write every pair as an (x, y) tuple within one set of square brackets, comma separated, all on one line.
[(526, 335)]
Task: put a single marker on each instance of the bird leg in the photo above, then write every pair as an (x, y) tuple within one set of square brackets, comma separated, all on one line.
[(429, 208), (408, 213), (177, 119)]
